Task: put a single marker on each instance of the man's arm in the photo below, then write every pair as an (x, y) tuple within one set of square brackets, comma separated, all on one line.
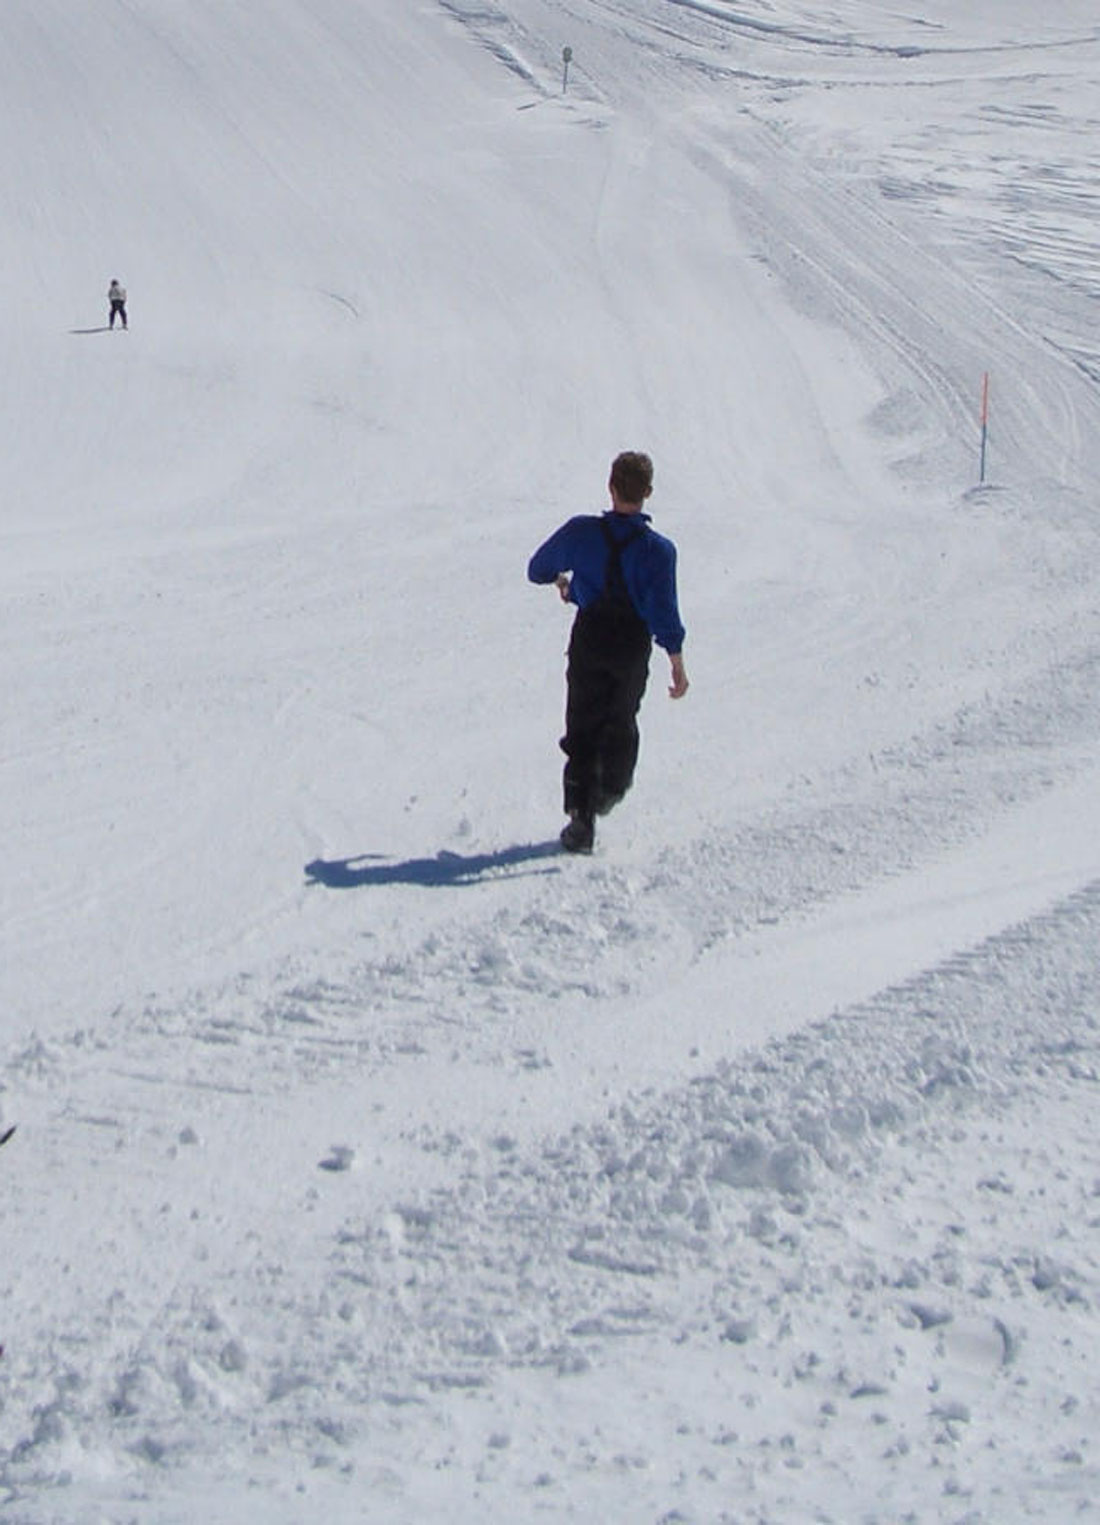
[(663, 616), (679, 685), (553, 557), (657, 601)]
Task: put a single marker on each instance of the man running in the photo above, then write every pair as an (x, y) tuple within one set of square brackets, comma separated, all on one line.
[(621, 574)]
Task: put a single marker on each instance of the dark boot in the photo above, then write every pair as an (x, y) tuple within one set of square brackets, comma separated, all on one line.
[(579, 835)]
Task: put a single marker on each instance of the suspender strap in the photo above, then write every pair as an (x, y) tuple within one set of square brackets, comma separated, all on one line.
[(614, 583)]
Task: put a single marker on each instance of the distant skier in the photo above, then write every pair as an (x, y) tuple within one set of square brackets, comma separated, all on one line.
[(622, 576), (116, 296)]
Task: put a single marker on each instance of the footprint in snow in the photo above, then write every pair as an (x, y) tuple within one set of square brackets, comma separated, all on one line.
[(339, 1157)]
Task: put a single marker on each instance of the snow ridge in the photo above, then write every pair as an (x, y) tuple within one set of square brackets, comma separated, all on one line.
[(931, 1269)]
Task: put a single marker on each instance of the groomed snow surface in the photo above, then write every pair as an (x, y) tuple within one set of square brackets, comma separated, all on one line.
[(373, 1160)]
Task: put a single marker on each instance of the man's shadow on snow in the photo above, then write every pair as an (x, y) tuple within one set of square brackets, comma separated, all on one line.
[(445, 870)]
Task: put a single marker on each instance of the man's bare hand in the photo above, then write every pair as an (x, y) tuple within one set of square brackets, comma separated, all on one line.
[(679, 685), (563, 586)]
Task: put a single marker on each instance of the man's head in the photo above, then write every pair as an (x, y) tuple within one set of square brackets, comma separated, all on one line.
[(631, 477)]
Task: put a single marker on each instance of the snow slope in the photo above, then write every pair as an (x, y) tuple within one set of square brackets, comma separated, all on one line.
[(373, 1160)]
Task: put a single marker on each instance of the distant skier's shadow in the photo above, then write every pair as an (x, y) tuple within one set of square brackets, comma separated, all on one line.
[(445, 870), (103, 329)]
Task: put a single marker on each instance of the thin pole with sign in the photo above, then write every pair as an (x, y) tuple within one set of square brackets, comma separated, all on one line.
[(984, 424), (566, 60)]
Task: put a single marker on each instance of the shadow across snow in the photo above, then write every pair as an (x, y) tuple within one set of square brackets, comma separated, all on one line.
[(445, 869)]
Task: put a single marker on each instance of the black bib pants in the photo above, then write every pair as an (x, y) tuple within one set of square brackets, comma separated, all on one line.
[(606, 676)]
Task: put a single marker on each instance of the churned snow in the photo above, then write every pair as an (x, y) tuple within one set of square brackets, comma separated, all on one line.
[(373, 1160)]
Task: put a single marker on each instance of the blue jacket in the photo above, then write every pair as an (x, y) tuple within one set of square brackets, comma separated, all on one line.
[(648, 563)]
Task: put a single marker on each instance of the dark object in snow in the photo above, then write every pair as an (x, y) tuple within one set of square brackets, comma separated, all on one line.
[(7, 1133), (580, 833)]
